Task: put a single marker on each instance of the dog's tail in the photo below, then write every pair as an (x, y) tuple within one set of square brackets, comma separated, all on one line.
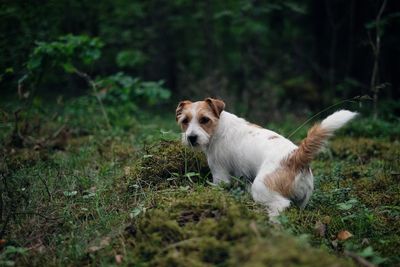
[(316, 138)]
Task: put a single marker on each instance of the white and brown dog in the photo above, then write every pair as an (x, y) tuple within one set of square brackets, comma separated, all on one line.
[(278, 168)]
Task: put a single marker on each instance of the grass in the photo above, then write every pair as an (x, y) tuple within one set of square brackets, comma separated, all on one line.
[(135, 196)]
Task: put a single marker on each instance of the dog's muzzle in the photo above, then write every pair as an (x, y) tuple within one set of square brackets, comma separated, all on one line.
[(192, 140)]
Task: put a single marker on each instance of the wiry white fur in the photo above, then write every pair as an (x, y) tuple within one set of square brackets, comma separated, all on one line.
[(240, 149), (337, 120)]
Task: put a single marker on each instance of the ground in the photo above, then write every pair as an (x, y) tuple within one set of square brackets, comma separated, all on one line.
[(76, 193)]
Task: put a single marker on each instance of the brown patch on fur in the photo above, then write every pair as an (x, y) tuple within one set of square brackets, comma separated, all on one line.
[(209, 108), (205, 110), (187, 116), (182, 114), (308, 148), (281, 180), (273, 137), (216, 105), (180, 108)]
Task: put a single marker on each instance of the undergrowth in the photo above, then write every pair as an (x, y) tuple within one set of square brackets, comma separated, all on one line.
[(86, 195)]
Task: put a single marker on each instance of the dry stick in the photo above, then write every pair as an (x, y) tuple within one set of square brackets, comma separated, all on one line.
[(3, 229), (37, 214), (90, 81), (56, 133), (376, 48), (46, 187), (358, 259)]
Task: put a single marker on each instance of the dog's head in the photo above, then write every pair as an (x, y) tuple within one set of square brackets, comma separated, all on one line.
[(198, 120)]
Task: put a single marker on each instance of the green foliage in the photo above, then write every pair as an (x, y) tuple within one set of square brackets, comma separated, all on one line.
[(122, 94), (374, 128), (130, 58), (254, 54), (122, 89), (6, 257), (65, 52)]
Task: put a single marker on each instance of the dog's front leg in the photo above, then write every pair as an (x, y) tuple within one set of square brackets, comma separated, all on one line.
[(219, 174)]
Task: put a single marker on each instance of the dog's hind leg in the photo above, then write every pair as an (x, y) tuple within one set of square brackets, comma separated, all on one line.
[(274, 202)]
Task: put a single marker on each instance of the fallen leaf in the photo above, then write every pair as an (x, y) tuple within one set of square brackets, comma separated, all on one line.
[(103, 243), (127, 170), (320, 228), (344, 235), (94, 249), (118, 258), (2, 242)]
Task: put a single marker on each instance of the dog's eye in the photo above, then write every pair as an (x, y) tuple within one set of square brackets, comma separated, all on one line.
[(204, 120), (185, 121)]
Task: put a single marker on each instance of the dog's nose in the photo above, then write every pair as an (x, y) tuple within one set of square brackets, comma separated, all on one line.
[(192, 139)]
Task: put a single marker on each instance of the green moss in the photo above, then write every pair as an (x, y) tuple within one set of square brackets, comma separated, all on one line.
[(169, 163), (364, 149), (357, 190), (207, 227)]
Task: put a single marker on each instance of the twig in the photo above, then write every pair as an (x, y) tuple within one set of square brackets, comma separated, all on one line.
[(3, 229), (90, 81), (47, 188), (376, 48), (56, 133), (37, 214), (358, 259)]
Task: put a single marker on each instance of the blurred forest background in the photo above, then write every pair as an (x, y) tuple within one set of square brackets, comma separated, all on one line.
[(262, 57)]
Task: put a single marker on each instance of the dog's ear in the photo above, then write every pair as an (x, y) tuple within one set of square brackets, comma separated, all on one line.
[(216, 105), (180, 107)]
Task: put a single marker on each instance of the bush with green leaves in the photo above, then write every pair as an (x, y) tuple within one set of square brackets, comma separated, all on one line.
[(69, 53), (118, 94), (122, 93)]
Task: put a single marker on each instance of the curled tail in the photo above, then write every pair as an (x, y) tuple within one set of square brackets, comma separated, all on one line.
[(281, 180), (316, 138)]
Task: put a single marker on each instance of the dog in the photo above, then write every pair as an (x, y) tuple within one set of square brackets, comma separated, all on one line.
[(279, 170)]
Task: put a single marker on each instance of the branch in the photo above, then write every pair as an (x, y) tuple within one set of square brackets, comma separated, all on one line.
[(90, 81), (358, 259)]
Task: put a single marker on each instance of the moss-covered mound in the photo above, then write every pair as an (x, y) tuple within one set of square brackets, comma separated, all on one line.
[(169, 163), (204, 226)]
